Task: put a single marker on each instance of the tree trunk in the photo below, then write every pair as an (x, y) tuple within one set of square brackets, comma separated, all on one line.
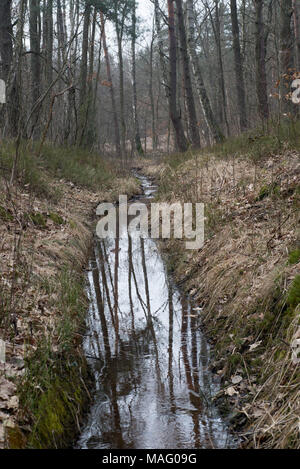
[(35, 62), (138, 143), (216, 25), (239, 75), (286, 55), (151, 95), (191, 108), (163, 66), (175, 114), (6, 46), (119, 31), (95, 90), (47, 53), (260, 52), (60, 33), (90, 115), (296, 7), (49, 42), (203, 96), (6, 38), (14, 107), (111, 87), (83, 99), (71, 130)]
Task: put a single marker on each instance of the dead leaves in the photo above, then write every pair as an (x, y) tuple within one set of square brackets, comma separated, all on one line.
[(7, 389), (231, 391), (254, 346), (9, 404), (236, 379)]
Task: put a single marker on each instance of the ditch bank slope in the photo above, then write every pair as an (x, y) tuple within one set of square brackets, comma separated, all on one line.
[(246, 282), (44, 250)]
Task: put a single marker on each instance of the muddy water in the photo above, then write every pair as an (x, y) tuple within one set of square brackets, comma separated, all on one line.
[(148, 355)]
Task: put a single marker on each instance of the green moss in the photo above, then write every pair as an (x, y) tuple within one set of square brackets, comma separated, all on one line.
[(57, 412), (294, 256), (56, 218), (5, 215), (267, 190), (293, 298), (263, 193), (53, 390), (36, 218)]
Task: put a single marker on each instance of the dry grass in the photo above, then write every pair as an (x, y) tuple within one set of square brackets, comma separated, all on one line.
[(242, 279), (44, 244)]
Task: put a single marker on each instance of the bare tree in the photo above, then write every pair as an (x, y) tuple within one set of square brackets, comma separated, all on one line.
[(296, 8), (6, 46), (175, 113), (286, 54), (207, 69), (111, 87), (138, 143), (202, 93), (261, 51), (83, 98), (216, 25), (35, 49), (238, 63), (6, 38), (193, 122)]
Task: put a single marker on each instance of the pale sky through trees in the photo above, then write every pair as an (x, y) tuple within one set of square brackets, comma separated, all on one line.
[(145, 9), (145, 14)]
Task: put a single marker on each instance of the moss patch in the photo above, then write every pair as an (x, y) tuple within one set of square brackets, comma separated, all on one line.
[(293, 298), (53, 392), (56, 218), (60, 408), (5, 215), (268, 190), (37, 219), (294, 257)]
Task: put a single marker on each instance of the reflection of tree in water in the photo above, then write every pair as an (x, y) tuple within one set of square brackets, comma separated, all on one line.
[(188, 374), (130, 273), (104, 282), (196, 396), (100, 306), (116, 292), (171, 358), (141, 345)]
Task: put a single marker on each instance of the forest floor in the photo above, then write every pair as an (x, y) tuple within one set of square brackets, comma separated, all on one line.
[(246, 278), (46, 235)]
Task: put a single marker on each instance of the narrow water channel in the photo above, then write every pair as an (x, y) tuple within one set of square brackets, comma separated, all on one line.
[(154, 389)]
